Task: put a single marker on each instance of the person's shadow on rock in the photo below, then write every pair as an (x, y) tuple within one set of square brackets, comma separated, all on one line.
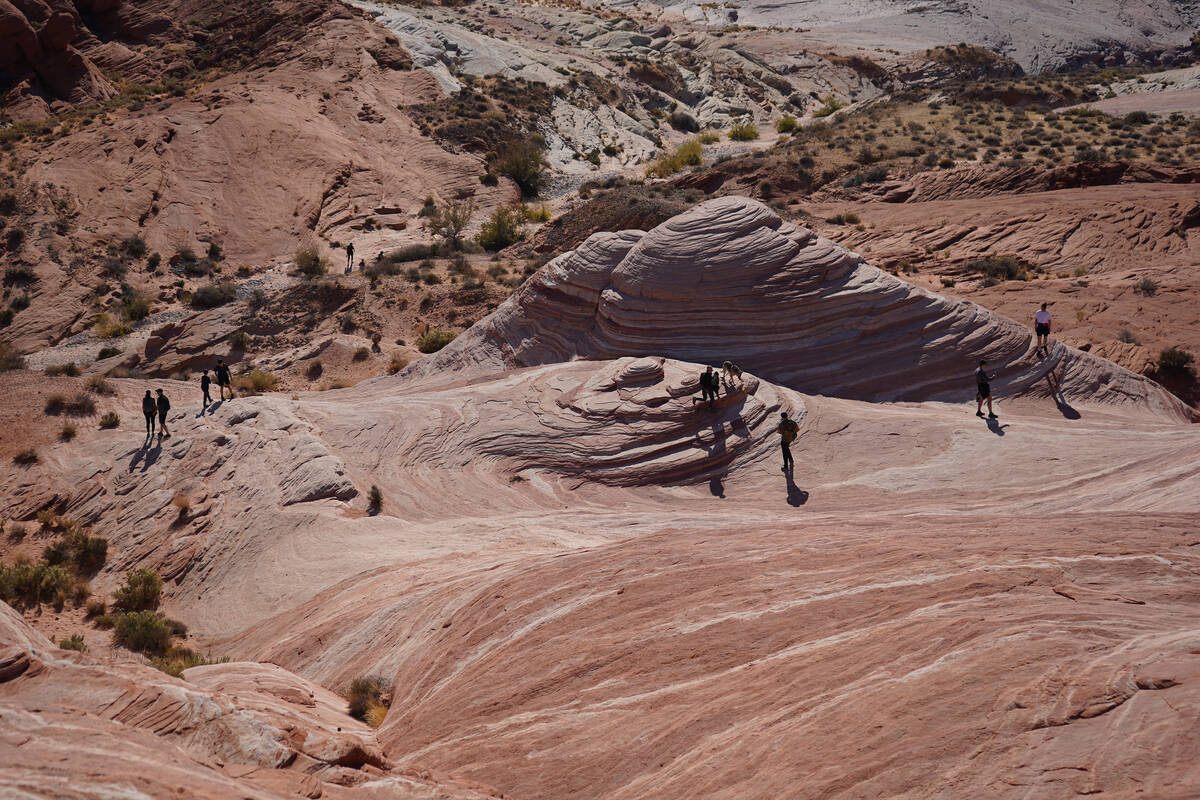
[(995, 427), (717, 487), (795, 495), (212, 408)]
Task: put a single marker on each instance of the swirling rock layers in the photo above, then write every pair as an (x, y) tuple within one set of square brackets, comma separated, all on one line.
[(730, 280)]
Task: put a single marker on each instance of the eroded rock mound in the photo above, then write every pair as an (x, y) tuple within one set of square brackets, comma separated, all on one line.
[(730, 280)]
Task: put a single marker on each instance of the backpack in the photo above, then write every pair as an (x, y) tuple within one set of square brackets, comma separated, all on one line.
[(788, 430)]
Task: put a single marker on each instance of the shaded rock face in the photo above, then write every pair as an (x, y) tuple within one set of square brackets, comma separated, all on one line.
[(730, 280)]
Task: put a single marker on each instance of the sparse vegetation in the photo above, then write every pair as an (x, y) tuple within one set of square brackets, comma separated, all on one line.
[(1176, 363), (1001, 268), (786, 124), (256, 381), (1147, 287), (374, 499), (310, 263), (139, 592), (314, 369), (67, 433), (523, 162), (142, 631), (177, 659), (501, 230), (687, 154), (397, 363), (447, 222), (108, 352), (369, 698), (434, 340), (182, 504), (81, 405), (743, 131), (73, 642), (10, 359), (30, 584), (213, 295), (109, 420), (68, 369), (98, 385), (1127, 337)]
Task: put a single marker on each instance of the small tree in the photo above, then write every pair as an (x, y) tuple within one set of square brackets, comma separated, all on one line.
[(449, 221), (139, 592), (1176, 362), (524, 163)]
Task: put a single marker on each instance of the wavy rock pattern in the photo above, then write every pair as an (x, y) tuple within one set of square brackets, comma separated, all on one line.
[(730, 280)]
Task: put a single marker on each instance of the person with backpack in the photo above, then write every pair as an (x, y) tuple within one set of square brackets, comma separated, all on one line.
[(223, 381), (788, 431), (710, 383), (1041, 325), (149, 409), (164, 405), (983, 391), (205, 382)]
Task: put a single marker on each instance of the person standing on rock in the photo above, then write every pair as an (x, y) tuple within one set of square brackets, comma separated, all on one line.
[(709, 384), (164, 405), (788, 431), (1041, 325), (205, 382), (349, 257), (223, 381), (149, 409), (983, 391)]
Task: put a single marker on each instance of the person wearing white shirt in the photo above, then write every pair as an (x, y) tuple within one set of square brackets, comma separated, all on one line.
[(1041, 325)]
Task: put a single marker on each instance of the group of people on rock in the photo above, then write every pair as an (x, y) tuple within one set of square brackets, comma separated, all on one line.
[(788, 430), (155, 408)]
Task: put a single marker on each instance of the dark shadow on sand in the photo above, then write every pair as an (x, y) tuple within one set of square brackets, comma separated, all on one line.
[(716, 486), (995, 427)]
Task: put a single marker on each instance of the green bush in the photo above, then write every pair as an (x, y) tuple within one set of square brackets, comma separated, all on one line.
[(524, 163), (9, 358), (1177, 363), (787, 124), (213, 295), (140, 591), (687, 154), (256, 381), (134, 246), (743, 131), (501, 230), (142, 631), (831, 105), (374, 498), (177, 659), (434, 340), (1001, 268), (32, 584), (73, 642)]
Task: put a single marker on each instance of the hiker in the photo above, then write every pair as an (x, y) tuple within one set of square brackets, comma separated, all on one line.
[(983, 391), (788, 430), (349, 257), (205, 382), (1041, 325), (149, 410), (164, 405), (223, 382), (709, 384)]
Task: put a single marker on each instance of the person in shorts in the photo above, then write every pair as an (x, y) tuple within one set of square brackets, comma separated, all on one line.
[(983, 391), (1041, 326)]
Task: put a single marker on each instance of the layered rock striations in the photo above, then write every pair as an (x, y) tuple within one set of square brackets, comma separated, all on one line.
[(730, 280)]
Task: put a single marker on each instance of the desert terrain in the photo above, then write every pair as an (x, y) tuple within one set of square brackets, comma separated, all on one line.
[(466, 528)]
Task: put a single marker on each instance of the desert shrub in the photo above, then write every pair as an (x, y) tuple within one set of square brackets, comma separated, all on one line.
[(1001, 268), (374, 498), (108, 328), (67, 433), (177, 659), (140, 591), (255, 381), (1147, 287), (948, 282), (109, 420), (9, 358), (239, 340), (1137, 118), (97, 384), (142, 631), (108, 352), (64, 369), (787, 124), (213, 295), (14, 239), (365, 692), (709, 137), (362, 353), (449, 221), (524, 163), (58, 552), (32, 584), (397, 363), (182, 504), (19, 274), (830, 105), (538, 213), (873, 175), (501, 230), (430, 279), (1127, 337), (314, 369), (214, 252), (1176, 362), (153, 262), (687, 154), (683, 121), (133, 246), (95, 608), (135, 306), (743, 131), (73, 642), (88, 552), (434, 340), (310, 263)]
